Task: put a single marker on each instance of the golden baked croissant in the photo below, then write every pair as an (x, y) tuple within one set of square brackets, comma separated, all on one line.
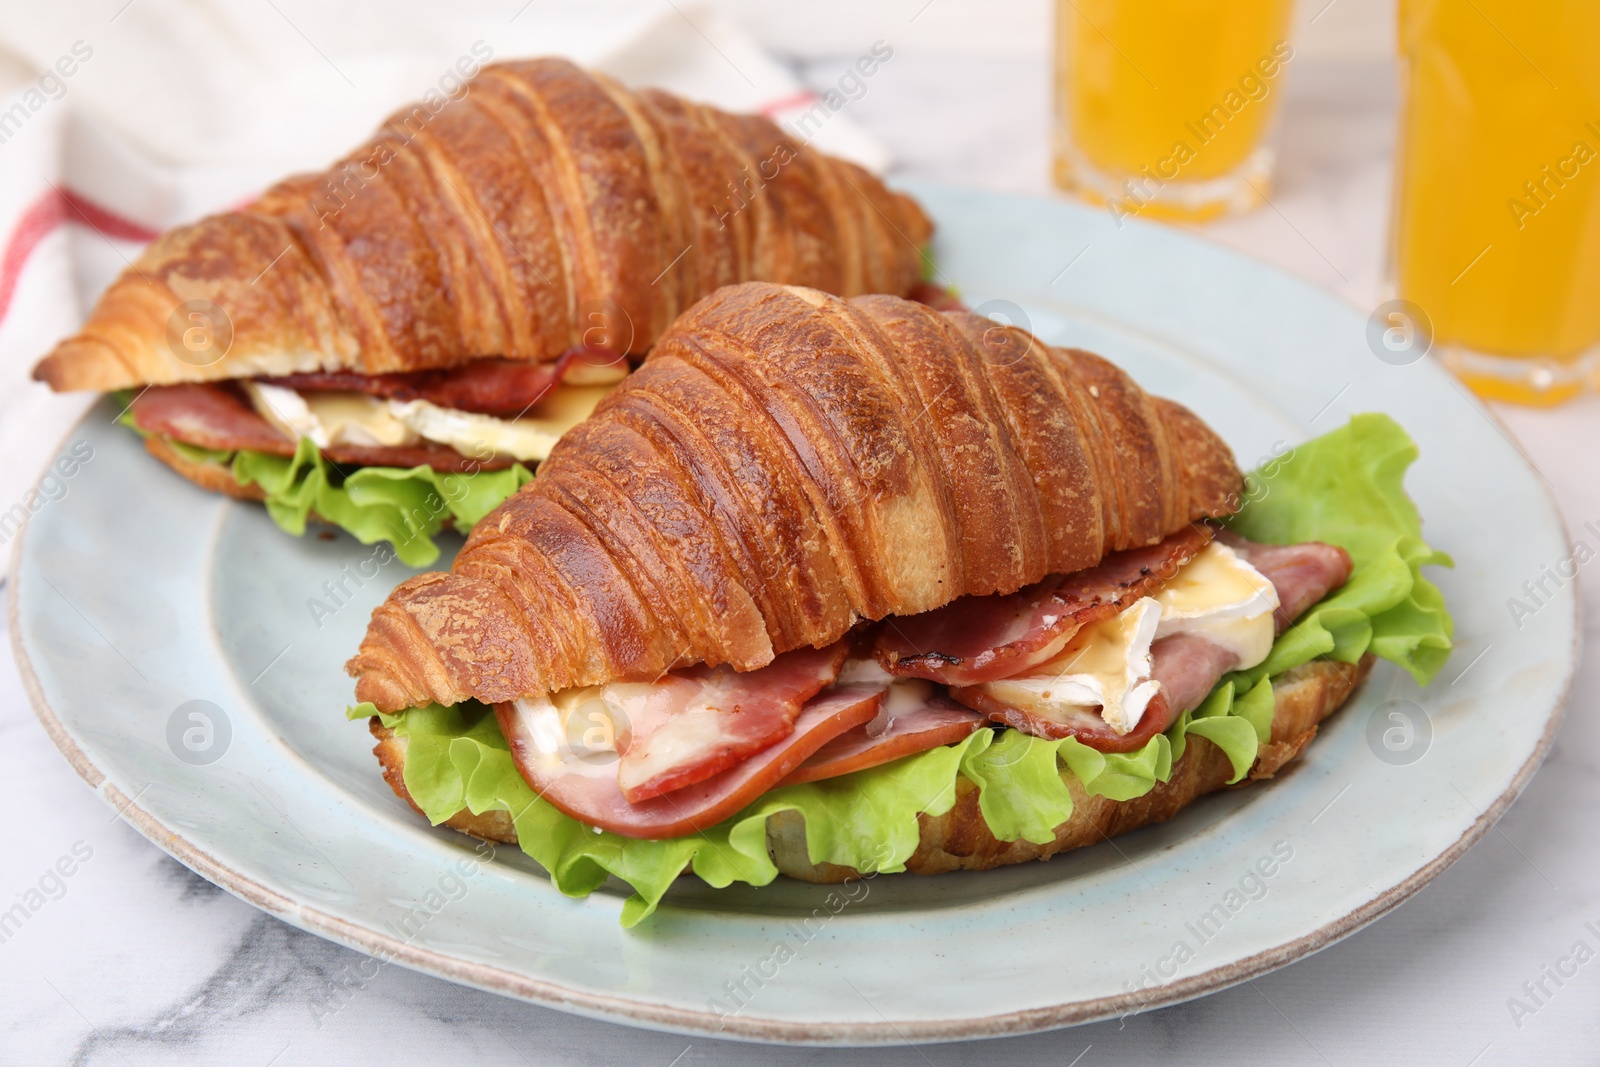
[(543, 204), (833, 587), (383, 346), (784, 464)]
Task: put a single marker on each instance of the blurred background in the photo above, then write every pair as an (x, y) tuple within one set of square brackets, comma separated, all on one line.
[(128, 116)]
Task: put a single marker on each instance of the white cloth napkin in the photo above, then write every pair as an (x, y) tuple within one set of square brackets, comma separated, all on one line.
[(143, 114)]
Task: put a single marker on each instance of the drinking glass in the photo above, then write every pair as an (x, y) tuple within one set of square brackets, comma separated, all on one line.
[(1495, 241), (1165, 107)]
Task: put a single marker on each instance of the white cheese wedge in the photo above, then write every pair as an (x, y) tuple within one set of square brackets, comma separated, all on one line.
[(528, 438), (863, 670), (331, 417), (1105, 666), (546, 727), (1220, 597), (287, 411), (573, 731), (579, 730), (358, 419)]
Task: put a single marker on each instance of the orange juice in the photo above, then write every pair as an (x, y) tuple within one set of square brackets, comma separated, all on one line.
[(1497, 222), (1161, 105)]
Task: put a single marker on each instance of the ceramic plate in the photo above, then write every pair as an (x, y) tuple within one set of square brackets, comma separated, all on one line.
[(135, 595)]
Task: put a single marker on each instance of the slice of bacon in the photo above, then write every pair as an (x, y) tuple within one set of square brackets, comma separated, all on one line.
[(422, 454), (693, 724), (589, 792), (984, 638), (216, 415), (931, 722), (1302, 573), (1083, 723), (1187, 665), (500, 387)]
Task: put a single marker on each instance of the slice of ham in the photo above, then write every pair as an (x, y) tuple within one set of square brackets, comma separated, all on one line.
[(907, 723), (588, 791), (985, 638), (210, 416), (1302, 574), (1187, 665), (693, 724), (216, 415), (500, 387)]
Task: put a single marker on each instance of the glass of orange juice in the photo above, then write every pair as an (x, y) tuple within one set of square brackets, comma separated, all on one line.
[(1496, 227), (1164, 107)]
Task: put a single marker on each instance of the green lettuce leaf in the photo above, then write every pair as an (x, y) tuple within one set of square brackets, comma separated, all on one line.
[(197, 454), (1344, 488), (406, 507), (457, 759)]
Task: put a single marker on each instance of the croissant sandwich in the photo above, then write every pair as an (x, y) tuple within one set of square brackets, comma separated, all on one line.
[(833, 587), (387, 343)]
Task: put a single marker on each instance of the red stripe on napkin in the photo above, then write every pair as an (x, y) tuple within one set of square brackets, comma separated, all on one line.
[(800, 99), (42, 217)]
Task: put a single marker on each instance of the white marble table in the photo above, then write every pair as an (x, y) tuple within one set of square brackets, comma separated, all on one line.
[(134, 960)]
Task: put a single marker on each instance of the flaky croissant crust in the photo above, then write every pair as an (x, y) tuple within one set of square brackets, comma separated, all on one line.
[(784, 464), (544, 208)]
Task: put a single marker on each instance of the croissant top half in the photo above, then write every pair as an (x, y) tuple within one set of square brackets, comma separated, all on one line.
[(783, 464), (543, 208)]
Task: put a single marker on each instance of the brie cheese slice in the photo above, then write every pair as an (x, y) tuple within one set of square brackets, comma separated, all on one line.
[(528, 438), (330, 417), (573, 731), (287, 411), (358, 419), (1106, 666), (1220, 597)]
